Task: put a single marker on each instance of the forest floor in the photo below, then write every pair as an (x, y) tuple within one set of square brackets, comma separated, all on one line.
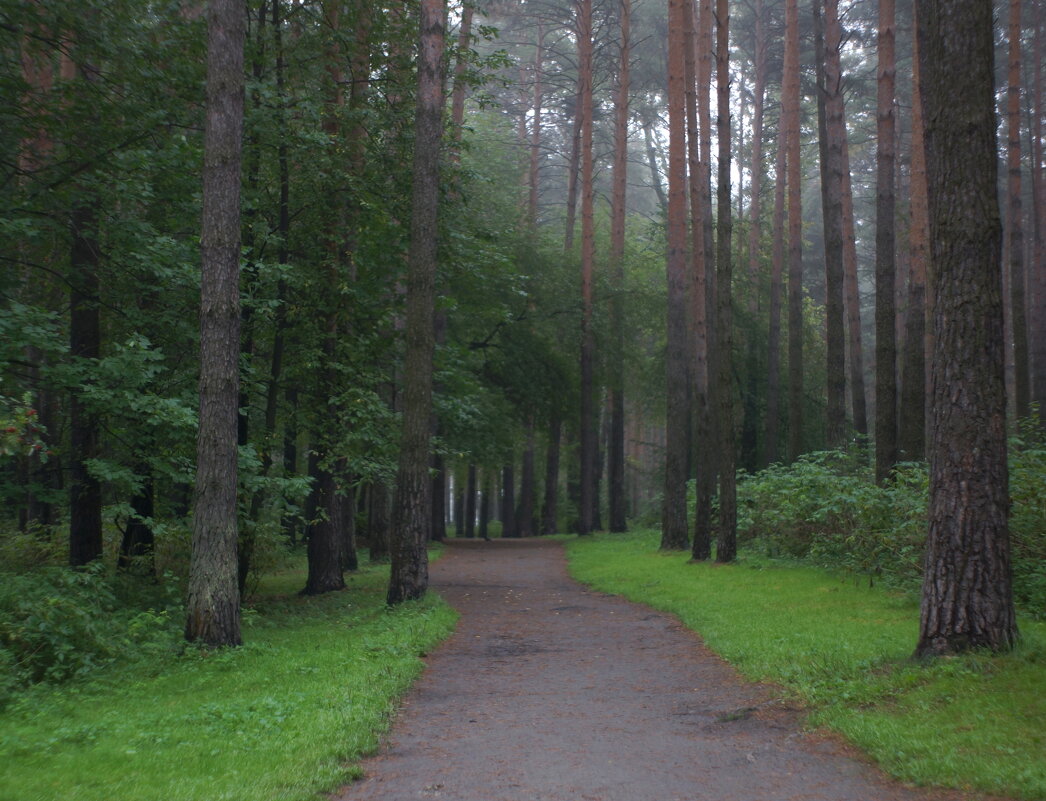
[(550, 691)]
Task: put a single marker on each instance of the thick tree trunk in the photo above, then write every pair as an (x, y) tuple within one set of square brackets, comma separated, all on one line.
[(324, 552), (549, 508), (674, 535), (726, 538), (213, 606), (967, 598), (413, 504), (790, 113), (885, 278), (616, 449)]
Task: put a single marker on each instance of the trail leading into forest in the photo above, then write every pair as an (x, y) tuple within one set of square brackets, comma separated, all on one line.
[(549, 691)]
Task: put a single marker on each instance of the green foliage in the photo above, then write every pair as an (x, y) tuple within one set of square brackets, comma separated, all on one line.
[(57, 624), (826, 508), (281, 719), (975, 721)]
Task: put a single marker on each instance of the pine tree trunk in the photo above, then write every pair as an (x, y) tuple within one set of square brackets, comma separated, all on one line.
[(967, 598), (1037, 285), (588, 411), (1015, 217), (549, 509), (831, 193), (213, 605), (885, 271), (790, 113), (773, 358), (853, 302), (726, 539), (912, 435), (616, 449), (674, 535), (413, 504)]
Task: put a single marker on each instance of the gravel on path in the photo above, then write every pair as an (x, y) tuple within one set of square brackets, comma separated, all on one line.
[(549, 691)]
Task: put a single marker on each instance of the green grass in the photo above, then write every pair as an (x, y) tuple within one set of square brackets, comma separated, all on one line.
[(844, 649), (282, 718)]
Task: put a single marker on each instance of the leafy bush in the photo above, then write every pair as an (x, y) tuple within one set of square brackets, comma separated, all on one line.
[(57, 624), (826, 508)]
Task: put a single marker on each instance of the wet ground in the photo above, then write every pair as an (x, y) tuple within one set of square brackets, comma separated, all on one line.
[(549, 691)]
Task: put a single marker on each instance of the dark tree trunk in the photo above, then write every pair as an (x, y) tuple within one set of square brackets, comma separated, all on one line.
[(549, 509), (1014, 217), (967, 598), (831, 128), (413, 503), (616, 449), (1037, 285), (459, 505), (484, 505), (508, 502), (350, 559), (291, 523), (771, 450), (674, 534), (213, 604), (378, 522), (912, 433), (324, 552), (525, 522), (85, 492), (726, 536), (439, 498), (885, 278), (136, 546), (470, 503), (790, 122)]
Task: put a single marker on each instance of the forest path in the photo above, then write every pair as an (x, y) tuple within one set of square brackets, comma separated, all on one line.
[(549, 691)]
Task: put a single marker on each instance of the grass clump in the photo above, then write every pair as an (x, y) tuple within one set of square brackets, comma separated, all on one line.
[(282, 718), (842, 647)]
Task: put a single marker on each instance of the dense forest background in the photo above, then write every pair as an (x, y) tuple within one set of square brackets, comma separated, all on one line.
[(577, 385)]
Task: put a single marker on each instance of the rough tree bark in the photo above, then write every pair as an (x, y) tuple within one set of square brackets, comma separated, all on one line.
[(213, 605), (790, 122), (1015, 217), (885, 279), (967, 600), (616, 450), (726, 537), (412, 505), (674, 534)]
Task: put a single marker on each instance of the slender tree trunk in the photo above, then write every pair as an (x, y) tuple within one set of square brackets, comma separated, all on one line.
[(459, 504), (413, 504), (750, 425), (726, 539), (508, 502), (527, 523), (790, 113), (853, 301), (704, 454), (777, 258), (439, 498), (885, 279), (350, 559), (213, 606), (1037, 285), (470, 503), (484, 505), (651, 159), (549, 509), (912, 434), (674, 535), (616, 450), (834, 131), (967, 597), (588, 411), (574, 166), (1015, 217)]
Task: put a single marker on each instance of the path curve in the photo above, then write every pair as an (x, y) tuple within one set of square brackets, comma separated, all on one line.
[(549, 691)]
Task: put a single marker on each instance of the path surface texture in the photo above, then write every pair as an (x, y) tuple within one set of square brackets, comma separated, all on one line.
[(549, 691)]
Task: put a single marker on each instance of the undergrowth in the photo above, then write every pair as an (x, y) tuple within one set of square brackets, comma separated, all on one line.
[(843, 648), (282, 718)]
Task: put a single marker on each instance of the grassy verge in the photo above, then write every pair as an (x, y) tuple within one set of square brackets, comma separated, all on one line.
[(282, 718), (969, 722)]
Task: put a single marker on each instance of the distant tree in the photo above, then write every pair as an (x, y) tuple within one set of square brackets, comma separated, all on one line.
[(790, 97), (967, 599), (674, 534), (412, 505), (885, 272), (213, 606)]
